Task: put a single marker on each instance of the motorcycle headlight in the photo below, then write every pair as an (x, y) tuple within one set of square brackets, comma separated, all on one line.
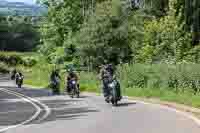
[(111, 85), (73, 82)]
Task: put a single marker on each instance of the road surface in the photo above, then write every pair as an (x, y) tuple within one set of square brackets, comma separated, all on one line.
[(29, 110)]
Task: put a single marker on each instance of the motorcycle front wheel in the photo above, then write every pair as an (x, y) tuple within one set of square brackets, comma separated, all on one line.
[(19, 86)]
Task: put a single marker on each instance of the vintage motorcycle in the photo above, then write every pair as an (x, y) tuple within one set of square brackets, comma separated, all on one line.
[(74, 88), (114, 91), (19, 81)]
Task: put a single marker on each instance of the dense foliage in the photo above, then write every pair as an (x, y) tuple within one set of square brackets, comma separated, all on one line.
[(105, 35), (148, 31), (177, 78), (12, 59), (18, 34)]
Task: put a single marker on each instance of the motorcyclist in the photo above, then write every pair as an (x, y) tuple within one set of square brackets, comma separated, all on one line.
[(107, 73), (55, 81), (69, 76), (18, 76)]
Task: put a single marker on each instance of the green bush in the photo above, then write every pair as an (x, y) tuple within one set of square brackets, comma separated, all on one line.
[(11, 59), (180, 77), (3, 68), (14, 59), (29, 61)]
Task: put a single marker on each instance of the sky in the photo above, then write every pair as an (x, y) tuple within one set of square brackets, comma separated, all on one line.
[(25, 1)]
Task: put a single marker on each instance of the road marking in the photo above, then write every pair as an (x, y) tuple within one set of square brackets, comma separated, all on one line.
[(28, 120), (185, 114), (46, 108)]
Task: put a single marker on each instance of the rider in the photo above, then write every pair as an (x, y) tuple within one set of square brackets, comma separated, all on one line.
[(18, 75), (107, 72), (71, 75), (55, 81)]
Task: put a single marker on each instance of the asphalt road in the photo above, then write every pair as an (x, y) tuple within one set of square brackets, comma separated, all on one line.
[(37, 111)]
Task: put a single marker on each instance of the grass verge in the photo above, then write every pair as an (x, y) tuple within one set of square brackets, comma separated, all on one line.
[(39, 76)]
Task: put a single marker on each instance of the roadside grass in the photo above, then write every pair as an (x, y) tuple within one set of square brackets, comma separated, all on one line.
[(4, 68), (131, 79), (89, 82), (185, 98), (39, 76)]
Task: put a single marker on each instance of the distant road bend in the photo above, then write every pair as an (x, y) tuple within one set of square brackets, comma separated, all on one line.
[(29, 110)]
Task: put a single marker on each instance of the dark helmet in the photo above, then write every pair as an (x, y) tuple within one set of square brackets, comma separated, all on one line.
[(70, 70), (110, 68)]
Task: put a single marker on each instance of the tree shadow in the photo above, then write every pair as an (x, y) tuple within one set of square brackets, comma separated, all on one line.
[(60, 110), (30, 92), (83, 96), (68, 114), (125, 104)]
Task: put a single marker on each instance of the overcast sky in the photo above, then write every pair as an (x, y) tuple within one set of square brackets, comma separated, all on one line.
[(25, 1)]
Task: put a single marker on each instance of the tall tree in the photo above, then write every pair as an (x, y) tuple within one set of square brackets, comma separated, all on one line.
[(158, 8), (17, 35), (108, 34), (189, 10), (63, 18)]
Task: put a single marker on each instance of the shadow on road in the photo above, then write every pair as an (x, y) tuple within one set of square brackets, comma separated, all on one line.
[(66, 109), (30, 92), (67, 114), (126, 104), (61, 109)]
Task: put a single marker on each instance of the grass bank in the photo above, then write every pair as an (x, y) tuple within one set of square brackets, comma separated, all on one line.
[(39, 76), (175, 83)]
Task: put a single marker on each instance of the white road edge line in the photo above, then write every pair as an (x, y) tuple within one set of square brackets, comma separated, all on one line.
[(185, 114), (46, 108), (28, 120)]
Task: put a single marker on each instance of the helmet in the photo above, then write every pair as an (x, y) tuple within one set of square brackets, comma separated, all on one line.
[(105, 61), (70, 70)]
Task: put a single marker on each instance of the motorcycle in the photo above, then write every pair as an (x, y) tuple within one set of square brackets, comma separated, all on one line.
[(19, 81), (74, 89), (55, 85), (114, 88)]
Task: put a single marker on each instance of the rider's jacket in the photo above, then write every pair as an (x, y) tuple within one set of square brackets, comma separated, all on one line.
[(71, 76), (18, 75), (55, 78), (106, 73)]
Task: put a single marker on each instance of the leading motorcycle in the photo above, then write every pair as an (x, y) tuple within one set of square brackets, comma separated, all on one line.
[(19, 81), (74, 88), (114, 88)]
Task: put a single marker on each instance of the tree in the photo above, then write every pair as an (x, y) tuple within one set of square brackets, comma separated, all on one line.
[(189, 12), (159, 8), (106, 35), (63, 17), (17, 35)]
